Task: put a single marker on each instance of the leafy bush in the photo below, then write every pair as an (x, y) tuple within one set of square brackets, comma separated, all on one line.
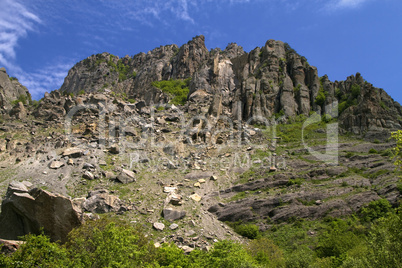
[(21, 98), (375, 209), (177, 89), (248, 230), (321, 97), (355, 91), (228, 254), (385, 242), (37, 251), (373, 151), (103, 243), (337, 240), (266, 253)]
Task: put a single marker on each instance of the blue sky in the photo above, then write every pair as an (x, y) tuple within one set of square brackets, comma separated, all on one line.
[(40, 40)]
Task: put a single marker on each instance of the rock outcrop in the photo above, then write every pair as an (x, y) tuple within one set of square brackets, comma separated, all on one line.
[(269, 81), (11, 90), (26, 211)]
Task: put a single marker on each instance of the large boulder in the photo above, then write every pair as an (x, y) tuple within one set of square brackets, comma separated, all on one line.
[(26, 211), (172, 214), (100, 201)]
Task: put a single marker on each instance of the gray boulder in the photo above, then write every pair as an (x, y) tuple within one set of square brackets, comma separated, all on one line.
[(24, 212), (172, 214), (101, 201)]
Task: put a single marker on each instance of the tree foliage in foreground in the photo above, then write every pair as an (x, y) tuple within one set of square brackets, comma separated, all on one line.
[(106, 243)]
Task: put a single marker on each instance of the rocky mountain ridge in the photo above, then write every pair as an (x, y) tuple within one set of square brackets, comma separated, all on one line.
[(268, 81)]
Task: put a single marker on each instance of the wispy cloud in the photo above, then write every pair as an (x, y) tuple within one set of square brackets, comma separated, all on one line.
[(48, 78), (343, 4), (15, 22), (146, 12)]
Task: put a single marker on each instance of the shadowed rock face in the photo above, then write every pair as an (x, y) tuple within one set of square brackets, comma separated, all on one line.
[(26, 211), (269, 80)]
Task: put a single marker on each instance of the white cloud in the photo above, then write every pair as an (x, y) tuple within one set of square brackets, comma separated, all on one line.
[(49, 78), (145, 11), (15, 22), (342, 4)]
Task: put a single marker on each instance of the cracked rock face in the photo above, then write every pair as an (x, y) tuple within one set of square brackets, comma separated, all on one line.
[(269, 80)]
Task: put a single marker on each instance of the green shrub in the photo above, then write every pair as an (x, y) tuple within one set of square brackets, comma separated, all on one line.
[(373, 151), (385, 242), (131, 100), (37, 251), (122, 77), (81, 92), (355, 91), (266, 253), (375, 209), (177, 89), (21, 98), (302, 256), (248, 230), (104, 243), (279, 114), (298, 181), (228, 254), (349, 154), (321, 97), (337, 240)]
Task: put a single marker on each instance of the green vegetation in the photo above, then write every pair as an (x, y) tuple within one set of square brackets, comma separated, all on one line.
[(382, 104), (106, 243), (247, 230), (348, 100), (372, 238), (375, 210), (279, 114), (21, 98), (321, 97), (397, 135), (177, 89), (355, 91), (297, 89), (298, 182), (12, 78), (373, 151), (81, 92)]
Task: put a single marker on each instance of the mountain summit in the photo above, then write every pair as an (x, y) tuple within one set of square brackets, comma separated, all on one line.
[(268, 81)]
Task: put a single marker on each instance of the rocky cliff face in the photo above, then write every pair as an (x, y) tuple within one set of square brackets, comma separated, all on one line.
[(268, 81), (10, 90)]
